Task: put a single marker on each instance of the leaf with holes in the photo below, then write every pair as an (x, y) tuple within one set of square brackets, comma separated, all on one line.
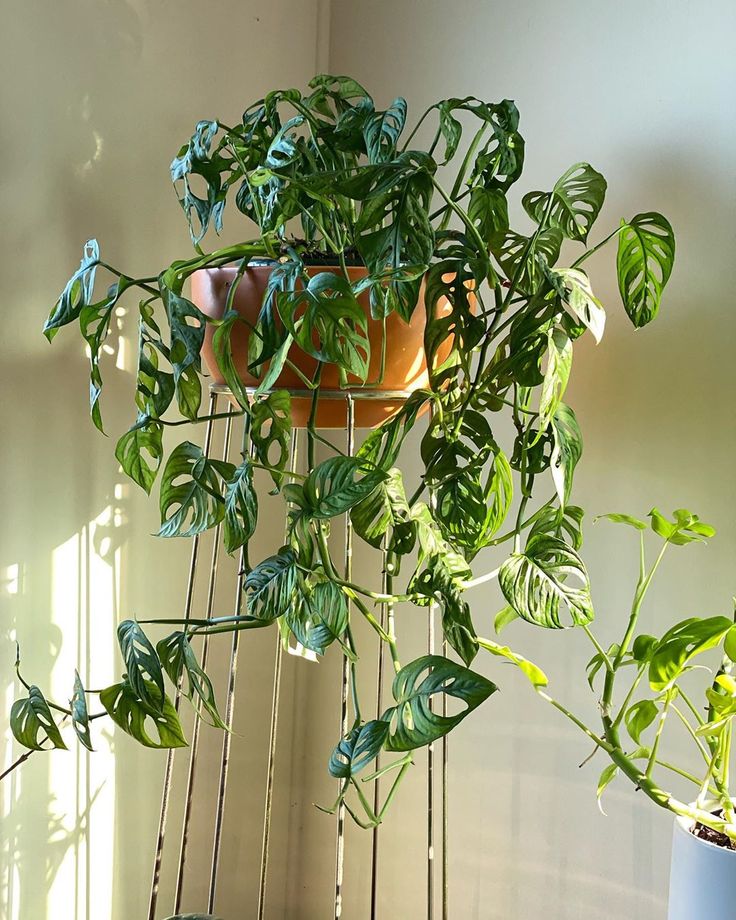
[(573, 204), (241, 508), (31, 717), (382, 131), (386, 506), (187, 327), (646, 255), (77, 293), (517, 255), (144, 438), (270, 585), (80, 714), (271, 428), (222, 347), (332, 487), (141, 663), (129, 713), (358, 748), (191, 492), (536, 583), (413, 721), (320, 618), (178, 659)]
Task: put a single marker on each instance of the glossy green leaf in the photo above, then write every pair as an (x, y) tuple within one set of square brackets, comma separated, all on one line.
[(320, 618), (502, 619), (679, 645), (604, 780), (77, 293), (573, 204), (270, 585), (534, 674), (271, 431), (559, 365), (517, 255), (80, 714), (179, 661), (646, 255), (135, 718), (639, 717), (241, 508), (187, 328), (32, 723), (358, 748), (413, 722), (385, 507), (140, 451), (543, 580), (382, 131), (191, 492), (337, 484), (580, 299), (222, 347), (685, 527), (142, 665), (566, 452), (623, 519)]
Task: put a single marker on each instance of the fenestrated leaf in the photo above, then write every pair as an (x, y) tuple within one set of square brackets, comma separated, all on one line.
[(77, 293), (141, 663), (679, 645), (382, 131), (563, 522), (576, 200), (536, 583), (489, 211), (144, 438), (517, 255), (178, 659), (566, 452), (222, 347), (241, 507), (187, 328), (639, 717), (270, 429), (358, 748), (191, 492), (328, 323), (320, 618), (135, 718), (333, 488), (413, 723), (80, 714), (31, 717), (580, 299), (646, 255), (270, 585), (386, 506)]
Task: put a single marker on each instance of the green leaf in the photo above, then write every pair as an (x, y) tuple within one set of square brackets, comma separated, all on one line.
[(80, 715), (679, 645), (127, 710), (191, 498), (145, 436), (503, 618), (270, 585), (623, 519), (606, 777), (241, 508), (77, 293), (534, 674), (685, 528), (222, 347), (646, 255), (178, 658), (386, 506), (382, 445), (187, 328), (358, 748), (489, 211), (141, 663), (639, 717), (564, 523), (332, 488), (31, 717), (328, 323), (729, 643), (382, 131), (535, 583), (517, 255), (580, 299), (320, 619), (573, 204), (413, 722), (271, 429), (566, 452)]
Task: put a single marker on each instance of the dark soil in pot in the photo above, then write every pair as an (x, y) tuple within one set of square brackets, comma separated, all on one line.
[(712, 836)]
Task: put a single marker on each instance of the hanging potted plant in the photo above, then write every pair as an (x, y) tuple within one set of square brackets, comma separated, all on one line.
[(644, 683), (363, 275)]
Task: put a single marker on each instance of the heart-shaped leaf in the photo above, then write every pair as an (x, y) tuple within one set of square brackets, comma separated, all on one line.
[(30, 717), (536, 583), (271, 429), (128, 711), (358, 748), (646, 255), (145, 437), (241, 508), (320, 618), (566, 452), (332, 487), (573, 204), (141, 663), (191, 491), (679, 645), (413, 721), (639, 717), (270, 585), (178, 659)]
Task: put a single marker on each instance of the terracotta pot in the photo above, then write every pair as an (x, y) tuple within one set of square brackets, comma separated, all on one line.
[(406, 366)]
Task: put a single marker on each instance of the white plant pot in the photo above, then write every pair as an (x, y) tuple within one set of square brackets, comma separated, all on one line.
[(702, 877)]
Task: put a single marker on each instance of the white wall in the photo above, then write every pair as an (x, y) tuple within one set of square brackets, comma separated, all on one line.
[(95, 99), (644, 92)]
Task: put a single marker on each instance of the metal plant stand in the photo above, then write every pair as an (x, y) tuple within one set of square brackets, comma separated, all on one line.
[(163, 904)]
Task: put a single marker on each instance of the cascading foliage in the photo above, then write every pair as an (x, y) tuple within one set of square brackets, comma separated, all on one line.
[(329, 173)]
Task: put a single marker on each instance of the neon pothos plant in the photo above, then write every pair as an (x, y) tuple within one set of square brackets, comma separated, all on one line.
[(657, 691), (328, 175)]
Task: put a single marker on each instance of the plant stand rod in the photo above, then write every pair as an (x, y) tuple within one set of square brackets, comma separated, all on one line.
[(379, 711), (345, 677), (445, 802), (194, 748), (169, 769)]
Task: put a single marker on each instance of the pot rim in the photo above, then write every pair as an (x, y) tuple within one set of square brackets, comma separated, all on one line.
[(684, 825)]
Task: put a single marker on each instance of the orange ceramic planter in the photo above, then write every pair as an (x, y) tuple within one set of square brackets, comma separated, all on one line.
[(406, 366)]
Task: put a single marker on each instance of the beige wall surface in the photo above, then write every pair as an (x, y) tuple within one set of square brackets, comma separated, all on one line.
[(95, 98)]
